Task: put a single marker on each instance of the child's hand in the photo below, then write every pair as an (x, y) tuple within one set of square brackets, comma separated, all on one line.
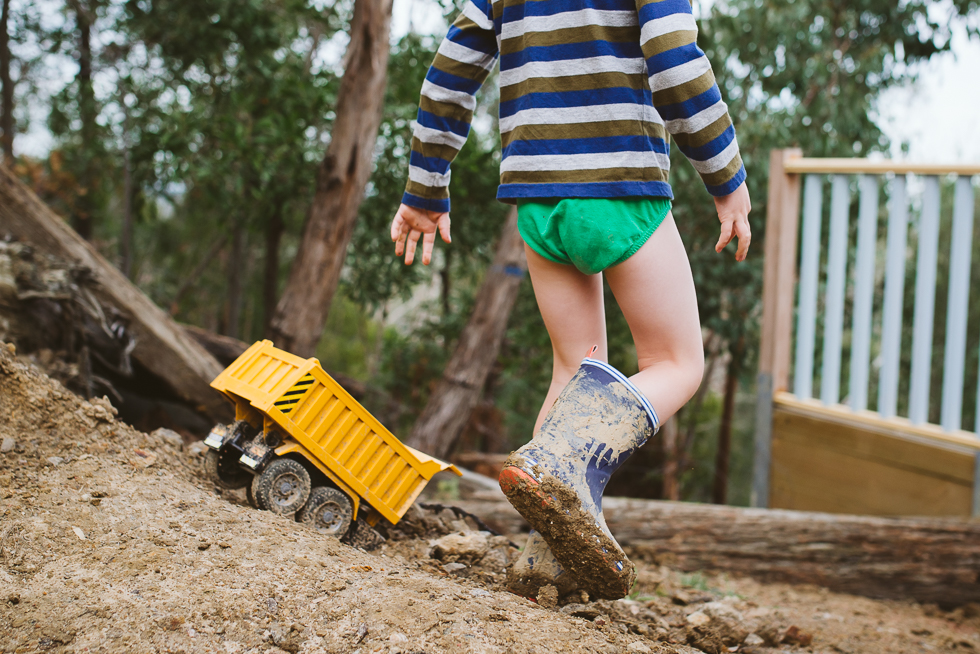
[(411, 223), (733, 212)]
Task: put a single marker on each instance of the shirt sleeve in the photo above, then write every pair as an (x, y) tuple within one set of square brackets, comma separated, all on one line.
[(686, 95), (463, 62)]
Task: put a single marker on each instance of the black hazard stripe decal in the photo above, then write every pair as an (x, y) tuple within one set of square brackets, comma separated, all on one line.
[(290, 398)]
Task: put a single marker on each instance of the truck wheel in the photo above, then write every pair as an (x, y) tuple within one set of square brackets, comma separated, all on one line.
[(253, 495), (250, 496), (222, 468), (328, 511), (283, 487)]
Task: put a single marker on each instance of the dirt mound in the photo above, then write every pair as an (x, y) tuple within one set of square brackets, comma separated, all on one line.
[(112, 540)]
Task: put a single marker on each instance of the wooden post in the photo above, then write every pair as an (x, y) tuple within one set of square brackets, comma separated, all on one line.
[(779, 283)]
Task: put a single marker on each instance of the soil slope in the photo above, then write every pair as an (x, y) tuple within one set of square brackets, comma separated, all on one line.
[(111, 540)]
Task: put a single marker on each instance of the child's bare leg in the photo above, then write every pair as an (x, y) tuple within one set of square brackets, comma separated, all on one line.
[(572, 308), (655, 290)]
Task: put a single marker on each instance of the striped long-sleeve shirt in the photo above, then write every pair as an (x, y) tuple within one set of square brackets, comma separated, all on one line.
[(589, 91)]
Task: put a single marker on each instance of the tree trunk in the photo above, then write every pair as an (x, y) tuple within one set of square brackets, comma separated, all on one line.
[(925, 559), (302, 310), (452, 402), (236, 274), (126, 246), (270, 277), (85, 206), (161, 345), (719, 493), (7, 91), (668, 432)]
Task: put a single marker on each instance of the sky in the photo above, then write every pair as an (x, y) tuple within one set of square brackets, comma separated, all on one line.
[(937, 116)]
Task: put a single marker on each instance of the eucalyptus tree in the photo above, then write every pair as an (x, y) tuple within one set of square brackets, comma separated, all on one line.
[(239, 108)]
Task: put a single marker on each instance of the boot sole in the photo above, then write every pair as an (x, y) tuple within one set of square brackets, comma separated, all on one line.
[(580, 546)]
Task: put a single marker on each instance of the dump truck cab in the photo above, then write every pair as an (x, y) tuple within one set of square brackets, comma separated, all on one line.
[(302, 445)]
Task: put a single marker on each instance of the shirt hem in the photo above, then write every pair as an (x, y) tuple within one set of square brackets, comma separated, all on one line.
[(510, 193)]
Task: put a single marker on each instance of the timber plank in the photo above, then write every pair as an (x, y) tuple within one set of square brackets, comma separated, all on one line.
[(831, 472)]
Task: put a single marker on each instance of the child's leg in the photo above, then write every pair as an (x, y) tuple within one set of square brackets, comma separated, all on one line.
[(572, 308), (655, 290)]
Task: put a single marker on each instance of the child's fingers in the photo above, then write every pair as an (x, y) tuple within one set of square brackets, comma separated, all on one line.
[(727, 232), (397, 226), (744, 233), (400, 246), (444, 228), (413, 241), (428, 242)]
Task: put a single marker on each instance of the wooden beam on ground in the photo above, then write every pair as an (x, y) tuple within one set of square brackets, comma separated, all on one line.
[(923, 559), (162, 347)]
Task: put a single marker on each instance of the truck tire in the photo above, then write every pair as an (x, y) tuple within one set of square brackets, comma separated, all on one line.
[(250, 496), (328, 510), (283, 487), (222, 468)]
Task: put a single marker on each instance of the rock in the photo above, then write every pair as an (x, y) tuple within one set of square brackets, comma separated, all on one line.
[(144, 458), (495, 560), (397, 638), (548, 597), (752, 642), (466, 548), (686, 597), (479, 592), (100, 408), (197, 448), (727, 622), (454, 567), (8, 445), (638, 648), (55, 460), (587, 611), (796, 636), (170, 437), (698, 619)]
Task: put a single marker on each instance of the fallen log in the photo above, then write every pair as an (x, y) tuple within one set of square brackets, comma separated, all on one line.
[(933, 560), (160, 345)]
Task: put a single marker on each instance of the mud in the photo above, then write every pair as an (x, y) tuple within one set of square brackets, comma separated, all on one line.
[(572, 533), (113, 541)]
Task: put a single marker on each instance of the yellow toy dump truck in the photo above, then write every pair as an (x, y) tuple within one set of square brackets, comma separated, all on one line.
[(301, 445)]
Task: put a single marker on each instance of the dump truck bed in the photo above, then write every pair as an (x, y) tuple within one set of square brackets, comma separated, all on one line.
[(316, 411)]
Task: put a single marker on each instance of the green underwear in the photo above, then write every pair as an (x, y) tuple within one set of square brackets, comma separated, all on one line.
[(591, 234)]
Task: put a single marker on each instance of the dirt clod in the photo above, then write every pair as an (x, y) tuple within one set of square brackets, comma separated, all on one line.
[(796, 636), (548, 597)]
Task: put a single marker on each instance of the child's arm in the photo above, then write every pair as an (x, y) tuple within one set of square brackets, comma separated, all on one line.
[(686, 96), (464, 60)]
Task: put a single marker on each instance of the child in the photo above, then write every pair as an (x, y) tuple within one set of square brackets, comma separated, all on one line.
[(589, 91)]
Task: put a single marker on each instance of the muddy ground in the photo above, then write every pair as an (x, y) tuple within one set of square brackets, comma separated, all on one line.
[(111, 540)]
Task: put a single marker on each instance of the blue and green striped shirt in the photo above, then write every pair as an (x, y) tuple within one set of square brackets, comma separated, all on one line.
[(589, 91)]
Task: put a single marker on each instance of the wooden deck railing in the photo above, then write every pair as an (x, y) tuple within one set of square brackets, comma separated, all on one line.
[(786, 301)]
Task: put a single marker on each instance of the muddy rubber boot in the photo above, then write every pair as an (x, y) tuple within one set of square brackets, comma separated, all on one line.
[(557, 480), (537, 567)]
